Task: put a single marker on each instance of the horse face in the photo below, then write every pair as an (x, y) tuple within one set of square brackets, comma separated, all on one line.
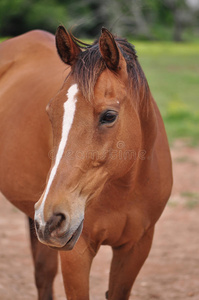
[(93, 145)]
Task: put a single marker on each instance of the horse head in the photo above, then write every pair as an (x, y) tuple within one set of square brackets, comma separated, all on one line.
[(96, 132)]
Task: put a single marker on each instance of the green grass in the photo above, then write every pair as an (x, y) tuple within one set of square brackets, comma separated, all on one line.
[(3, 39), (192, 199), (172, 71), (187, 199)]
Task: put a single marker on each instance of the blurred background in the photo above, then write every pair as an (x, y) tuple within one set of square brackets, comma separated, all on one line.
[(141, 19)]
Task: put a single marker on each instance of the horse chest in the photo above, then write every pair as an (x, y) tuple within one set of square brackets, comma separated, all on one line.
[(114, 227)]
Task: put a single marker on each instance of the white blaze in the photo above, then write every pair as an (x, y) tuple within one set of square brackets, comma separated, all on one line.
[(68, 116)]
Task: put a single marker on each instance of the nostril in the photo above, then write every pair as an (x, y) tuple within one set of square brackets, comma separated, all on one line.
[(56, 221)]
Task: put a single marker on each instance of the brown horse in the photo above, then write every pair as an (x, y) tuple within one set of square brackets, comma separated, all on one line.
[(110, 175)]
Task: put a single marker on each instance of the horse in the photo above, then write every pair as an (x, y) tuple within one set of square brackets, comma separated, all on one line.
[(95, 169)]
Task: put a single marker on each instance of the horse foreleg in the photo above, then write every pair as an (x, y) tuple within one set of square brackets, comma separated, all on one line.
[(76, 266), (125, 266), (45, 263)]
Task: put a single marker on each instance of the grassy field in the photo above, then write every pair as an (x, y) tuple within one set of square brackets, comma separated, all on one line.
[(172, 71)]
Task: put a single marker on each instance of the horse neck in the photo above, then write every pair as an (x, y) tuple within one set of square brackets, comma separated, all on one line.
[(148, 120), (149, 127)]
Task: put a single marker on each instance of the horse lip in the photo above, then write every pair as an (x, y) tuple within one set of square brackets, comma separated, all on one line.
[(72, 240)]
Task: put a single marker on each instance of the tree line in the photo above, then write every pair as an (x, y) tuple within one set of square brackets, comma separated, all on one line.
[(140, 19)]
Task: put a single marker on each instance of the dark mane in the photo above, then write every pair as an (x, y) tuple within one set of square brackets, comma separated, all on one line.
[(90, 65)]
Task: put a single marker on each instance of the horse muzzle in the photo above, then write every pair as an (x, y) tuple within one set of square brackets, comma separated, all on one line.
[(57, 232)]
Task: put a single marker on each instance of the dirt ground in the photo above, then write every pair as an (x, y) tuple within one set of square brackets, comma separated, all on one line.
[(171, 271)]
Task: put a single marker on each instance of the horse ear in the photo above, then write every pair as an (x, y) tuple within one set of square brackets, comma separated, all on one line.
[(109, 49), (67, 49)]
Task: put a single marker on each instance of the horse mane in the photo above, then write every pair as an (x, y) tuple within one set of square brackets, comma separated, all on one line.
[(90, 65)]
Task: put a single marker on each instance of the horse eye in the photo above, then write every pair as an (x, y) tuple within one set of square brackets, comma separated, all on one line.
[(108, 117)]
